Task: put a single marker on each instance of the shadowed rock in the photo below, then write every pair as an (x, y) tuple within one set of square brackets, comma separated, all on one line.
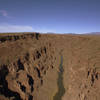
[(20, 65), (4, 90), (31, 82)]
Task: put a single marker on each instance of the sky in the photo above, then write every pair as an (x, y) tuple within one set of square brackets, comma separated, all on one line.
[(56, 16)]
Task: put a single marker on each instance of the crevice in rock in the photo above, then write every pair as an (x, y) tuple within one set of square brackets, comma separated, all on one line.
[(92, 79), (20, 65), (22, 87), (30, 97), (41, 82), (31, 82), (45, 50), (88, 73), (38, 55), (38, 72), (27, 56), (96, 76)]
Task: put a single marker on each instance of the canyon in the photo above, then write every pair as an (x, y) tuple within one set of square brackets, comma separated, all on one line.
[(37, 66)]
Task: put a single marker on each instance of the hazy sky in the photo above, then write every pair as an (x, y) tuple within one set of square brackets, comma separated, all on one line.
[(61, 16)]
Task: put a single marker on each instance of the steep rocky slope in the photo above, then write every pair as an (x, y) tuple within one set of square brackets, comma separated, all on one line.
[(24, 63), (82, 67), (29, 65)]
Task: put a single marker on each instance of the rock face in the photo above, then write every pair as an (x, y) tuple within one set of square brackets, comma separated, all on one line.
[(21, 78), (17, 37), (29, 65)]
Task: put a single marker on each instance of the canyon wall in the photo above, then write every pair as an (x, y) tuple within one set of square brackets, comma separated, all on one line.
[(29, 66)]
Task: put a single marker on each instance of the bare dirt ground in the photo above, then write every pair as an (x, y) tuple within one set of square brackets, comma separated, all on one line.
[(29, 65)]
